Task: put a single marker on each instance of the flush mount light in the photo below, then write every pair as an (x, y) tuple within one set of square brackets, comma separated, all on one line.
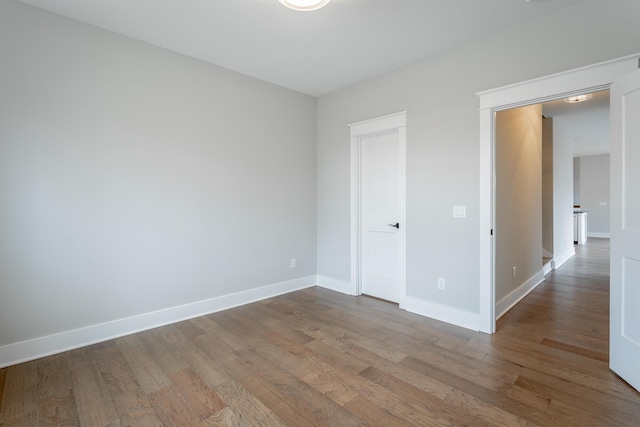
[(304, 5), (578, 98)]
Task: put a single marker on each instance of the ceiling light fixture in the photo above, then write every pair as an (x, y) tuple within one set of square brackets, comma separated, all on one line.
[(304, 5), (578, 98)]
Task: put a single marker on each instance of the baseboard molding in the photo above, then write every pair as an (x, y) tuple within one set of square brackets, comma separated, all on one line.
[(595, 234), (443, 313), (546, 269), (337, 285), (518, 294), (439, 312), (24, 351), (561, 259)]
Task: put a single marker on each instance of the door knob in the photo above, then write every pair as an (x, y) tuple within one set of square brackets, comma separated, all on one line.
[(396, 225)]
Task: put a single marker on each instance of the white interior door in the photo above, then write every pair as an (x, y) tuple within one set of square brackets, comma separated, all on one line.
[(380, 216), (625, 229)]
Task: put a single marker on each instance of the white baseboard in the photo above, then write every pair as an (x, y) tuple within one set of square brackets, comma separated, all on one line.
[(546, 269), (443, 313), (439, 312), (24, 351), (337, 285), (561, 259), (599, 235), (517, 294)]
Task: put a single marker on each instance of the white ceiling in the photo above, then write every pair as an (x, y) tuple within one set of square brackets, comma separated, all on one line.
[(318, 52), (588, 123)]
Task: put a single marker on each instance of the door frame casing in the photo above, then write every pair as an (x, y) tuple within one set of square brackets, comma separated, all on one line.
[(357, 132), (591, 78)]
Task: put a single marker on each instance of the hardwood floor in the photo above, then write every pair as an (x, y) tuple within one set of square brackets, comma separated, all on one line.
[(318, 358)]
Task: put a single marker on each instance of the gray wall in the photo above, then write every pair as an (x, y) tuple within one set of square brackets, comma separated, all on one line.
[(442, 138), (518, 197), (133, 179), (594, 190)]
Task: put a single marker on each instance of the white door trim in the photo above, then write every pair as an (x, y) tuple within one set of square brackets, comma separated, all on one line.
[(587, 79), (392, 122)]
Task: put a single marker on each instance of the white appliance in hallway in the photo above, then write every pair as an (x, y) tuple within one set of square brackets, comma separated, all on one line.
[(579, 227)]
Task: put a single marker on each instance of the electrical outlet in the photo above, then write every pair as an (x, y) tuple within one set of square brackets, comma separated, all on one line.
[(441, 283), (293, 263)]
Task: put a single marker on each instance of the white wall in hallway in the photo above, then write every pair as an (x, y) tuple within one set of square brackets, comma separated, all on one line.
[(563, 191), (518, 198)]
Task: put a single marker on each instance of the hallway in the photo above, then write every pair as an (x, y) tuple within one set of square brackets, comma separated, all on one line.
[(578, 292), (564, 323)]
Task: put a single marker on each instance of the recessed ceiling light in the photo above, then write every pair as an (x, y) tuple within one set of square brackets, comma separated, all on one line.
[(304, 5), (578, 98)]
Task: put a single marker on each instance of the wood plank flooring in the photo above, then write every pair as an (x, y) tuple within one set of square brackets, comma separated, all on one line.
[(318, 358)]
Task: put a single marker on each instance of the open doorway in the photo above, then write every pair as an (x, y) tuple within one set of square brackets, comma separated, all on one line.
[(592, 78), (622, 77), (535, 191)]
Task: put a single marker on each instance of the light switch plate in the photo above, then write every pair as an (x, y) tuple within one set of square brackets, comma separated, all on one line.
[(459, 211)]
